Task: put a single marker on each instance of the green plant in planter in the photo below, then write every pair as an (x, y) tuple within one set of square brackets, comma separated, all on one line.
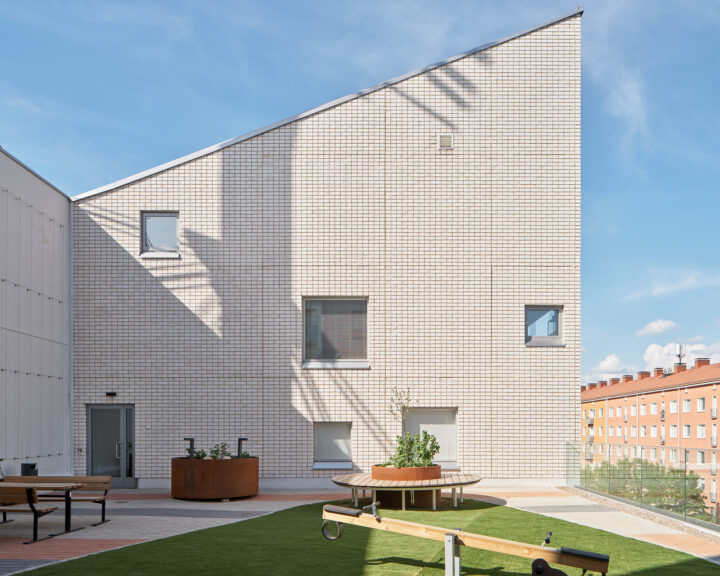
[(199, 453), (414, 450), (219, 452), (246, 455)]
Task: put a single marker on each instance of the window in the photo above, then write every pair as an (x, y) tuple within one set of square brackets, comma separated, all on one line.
[(601, 448), (160, 235), (600, 433), (713, 490), (653, 408), (673, 431), (700, 457), (673, 406), (633, 431), (600, 412), (333, 446), (701, 404), (686, 431), (673, 455), (633, 410), (643, 409), (335, 333), (611, 412), (618, 451), (701, 431), (592, 413), (653, 431), (584, 413), (653, 453), (441, 422), (611, 430), (686, 405), (543, 326)]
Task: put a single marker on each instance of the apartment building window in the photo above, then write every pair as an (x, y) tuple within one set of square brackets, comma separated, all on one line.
[(543, 325), (701, 431), (611, 412), (701, 404), (335, 333), (643, 431), (653, 431), (618, 451), (442, 423), (653, 408), (643, 409), (611, 431), (633, 431), (700, 457), (713, 490), (584, 413), (686, 405), (653, 453), (673, 430), (592, 413), (601, 431), (159, 235), (601, 448), (333, 445), (591, 431), (673, 406), (686, 431), (600, 412), (673, 455), (633, 410), (662, 454)]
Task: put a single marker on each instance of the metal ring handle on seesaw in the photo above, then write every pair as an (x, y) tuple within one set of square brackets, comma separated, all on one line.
[(327, 534)]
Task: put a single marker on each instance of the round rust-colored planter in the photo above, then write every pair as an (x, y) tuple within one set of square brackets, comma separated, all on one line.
[(195, 479), (406, 474)]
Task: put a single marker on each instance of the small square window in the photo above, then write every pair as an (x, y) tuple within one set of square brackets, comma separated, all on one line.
[(335, 333), (160, 234), (332, 445), (543, 326)]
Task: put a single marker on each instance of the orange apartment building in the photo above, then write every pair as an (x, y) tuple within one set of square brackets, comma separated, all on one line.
[(668, 418)]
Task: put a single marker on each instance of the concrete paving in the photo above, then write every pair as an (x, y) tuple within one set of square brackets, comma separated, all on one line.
[(142, 515)]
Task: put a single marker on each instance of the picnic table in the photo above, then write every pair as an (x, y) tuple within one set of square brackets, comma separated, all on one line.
[(365, 481), (66, 487)]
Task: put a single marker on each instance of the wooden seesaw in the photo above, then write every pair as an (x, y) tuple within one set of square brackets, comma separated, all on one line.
[(455, 538)]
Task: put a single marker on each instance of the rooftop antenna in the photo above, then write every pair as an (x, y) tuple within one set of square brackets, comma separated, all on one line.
[(680, 354)]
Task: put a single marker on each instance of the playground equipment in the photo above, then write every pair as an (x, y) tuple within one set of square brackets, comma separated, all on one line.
[(454, 538)]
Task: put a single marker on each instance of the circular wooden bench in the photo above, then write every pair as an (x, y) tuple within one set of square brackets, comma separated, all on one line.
[(364, 481)]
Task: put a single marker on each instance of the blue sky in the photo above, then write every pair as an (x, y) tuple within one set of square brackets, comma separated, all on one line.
[(92, 92)]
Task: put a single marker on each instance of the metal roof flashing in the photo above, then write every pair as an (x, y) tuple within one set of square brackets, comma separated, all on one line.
[(323, 107)]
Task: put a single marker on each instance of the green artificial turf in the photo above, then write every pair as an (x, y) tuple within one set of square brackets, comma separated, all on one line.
[(290, 542)]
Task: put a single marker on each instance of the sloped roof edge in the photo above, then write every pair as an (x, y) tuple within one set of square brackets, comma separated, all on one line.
[(321, 108), (21, 163)]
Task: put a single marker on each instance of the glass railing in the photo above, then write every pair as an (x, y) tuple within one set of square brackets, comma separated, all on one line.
[(673, 480)]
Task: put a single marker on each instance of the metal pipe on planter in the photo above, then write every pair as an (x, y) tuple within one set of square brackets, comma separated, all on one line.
[(240, 441), (191, 450)]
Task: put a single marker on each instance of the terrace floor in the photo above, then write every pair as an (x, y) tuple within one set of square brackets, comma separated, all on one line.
[(142, 515)]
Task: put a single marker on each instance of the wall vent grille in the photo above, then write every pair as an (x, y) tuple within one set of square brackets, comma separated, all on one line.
[(445, 141)]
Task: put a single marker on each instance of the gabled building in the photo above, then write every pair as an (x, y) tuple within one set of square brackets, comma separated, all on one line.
[(421, 234)]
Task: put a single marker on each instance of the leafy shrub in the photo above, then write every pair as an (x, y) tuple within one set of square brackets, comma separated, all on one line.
[(414, 450)]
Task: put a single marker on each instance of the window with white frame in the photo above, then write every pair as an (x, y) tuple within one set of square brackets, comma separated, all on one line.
[(662, 454), (700, 457), (686, 405), (673, 406), (543, 325), (633, 431), (442, 423), (701, 404), (643, 431), (160, 234), (653, 408), (713, 490), (333, 444), (686, 431), (673, 455), (592, 412), (591, 431), (643, 409), (653, 453), (601, 448), (633, 410), (653, 431), (600, 412), (600, 431), (701, 431), (335, 330), (673, 430), (618, 450), (611, 431), (611, 412)]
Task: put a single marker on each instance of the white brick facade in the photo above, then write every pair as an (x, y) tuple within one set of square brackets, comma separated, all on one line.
[(356, 200)]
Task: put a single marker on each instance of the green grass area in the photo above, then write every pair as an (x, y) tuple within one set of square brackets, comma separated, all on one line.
[(290, 542)]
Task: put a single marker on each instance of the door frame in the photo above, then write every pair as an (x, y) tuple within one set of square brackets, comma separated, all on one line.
[(122, 481)]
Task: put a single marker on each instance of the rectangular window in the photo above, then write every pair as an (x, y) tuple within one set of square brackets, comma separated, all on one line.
[(335, 332), (611, 412), (673, 431), (643, 409), (653, 453), (700, 457), (643, 431), (673, 406), (633, 410), (160, 234), (686, 405), (600, 412), (701, 431), (618, 451), (653, 431), (673, 455), (333, 445), (611, 431), (653, 408), (633, 432), (543, 325), (441, 422), (701, 404), (686, 431), (600, 432)]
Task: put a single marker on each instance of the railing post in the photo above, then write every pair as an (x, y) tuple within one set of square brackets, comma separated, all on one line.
[(452, 555)]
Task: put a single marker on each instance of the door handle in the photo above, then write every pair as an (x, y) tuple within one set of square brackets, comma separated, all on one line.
[(118, 449)]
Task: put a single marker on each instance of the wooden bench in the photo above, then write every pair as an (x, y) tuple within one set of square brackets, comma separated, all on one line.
[(90, 484), (22, 501)]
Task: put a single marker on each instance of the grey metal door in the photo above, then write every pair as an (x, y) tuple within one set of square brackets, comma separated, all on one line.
[(111, 443)]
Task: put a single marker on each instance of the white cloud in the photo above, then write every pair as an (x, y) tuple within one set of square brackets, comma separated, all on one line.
[(610, 367), (664, 356), (668, 282), (656, 327)]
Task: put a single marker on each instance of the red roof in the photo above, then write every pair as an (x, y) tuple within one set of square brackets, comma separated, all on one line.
[(700, 375)]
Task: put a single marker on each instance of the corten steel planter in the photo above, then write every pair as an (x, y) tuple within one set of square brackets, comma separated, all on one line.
[(393, 498), (406, 474), (196, 479)]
